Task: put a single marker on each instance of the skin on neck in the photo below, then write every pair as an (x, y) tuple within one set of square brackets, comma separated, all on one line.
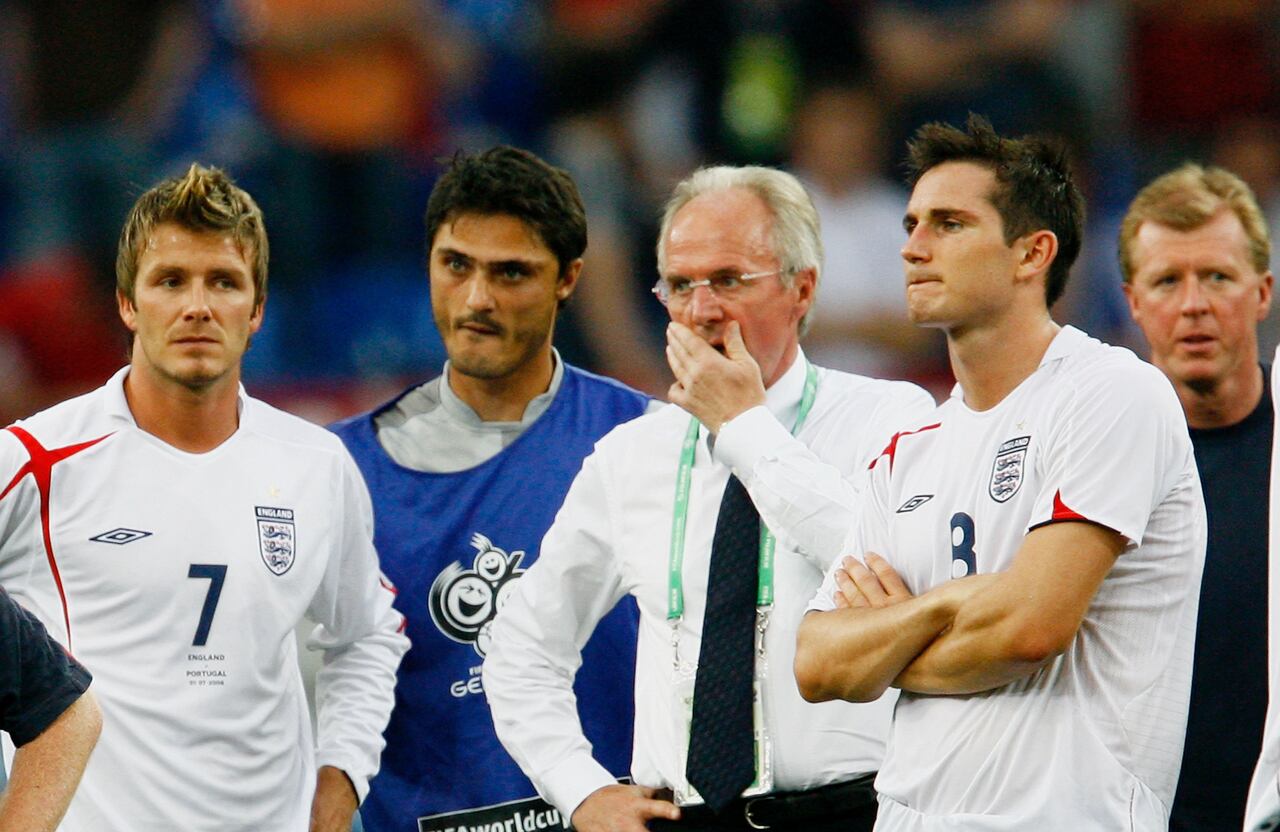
[(1223, 402), (990, 362), (505, 399), (191, 419)]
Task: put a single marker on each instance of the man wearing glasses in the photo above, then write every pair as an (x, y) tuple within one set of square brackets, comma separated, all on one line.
[(719, 514)]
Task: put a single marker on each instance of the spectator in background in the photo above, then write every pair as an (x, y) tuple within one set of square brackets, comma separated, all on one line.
[(838, 150), (938, 60), (95, 84), (1250, 148), (47, 711), (1196, 67), (1194, 253)]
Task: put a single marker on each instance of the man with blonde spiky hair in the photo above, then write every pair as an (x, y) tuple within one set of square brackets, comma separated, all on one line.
[(171, 532)]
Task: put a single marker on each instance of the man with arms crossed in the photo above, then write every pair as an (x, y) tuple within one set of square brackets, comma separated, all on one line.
[(656, 514), (45, 707), (172, 532), (467, 472), (1033, 548), (1194, 255)]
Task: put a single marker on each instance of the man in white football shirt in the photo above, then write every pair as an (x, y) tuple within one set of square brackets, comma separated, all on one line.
[(1034, 547), (171, 532)]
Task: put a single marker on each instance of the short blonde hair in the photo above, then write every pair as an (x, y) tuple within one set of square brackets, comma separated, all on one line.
[(202, 200), (1188, 197)]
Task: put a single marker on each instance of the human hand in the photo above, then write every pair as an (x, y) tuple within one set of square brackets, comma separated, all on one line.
[(335, 802), (622, 809), (713, 387), (874, 584)]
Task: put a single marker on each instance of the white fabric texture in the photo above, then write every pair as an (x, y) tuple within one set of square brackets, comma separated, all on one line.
[(612, 538), (1264, 791), (212, 736), (1095, 736)]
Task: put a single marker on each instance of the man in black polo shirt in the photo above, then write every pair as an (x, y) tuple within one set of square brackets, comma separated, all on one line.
[(48, 713), (1194, 255)]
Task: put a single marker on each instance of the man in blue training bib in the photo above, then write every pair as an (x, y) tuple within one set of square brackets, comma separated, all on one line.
[(466, 472)]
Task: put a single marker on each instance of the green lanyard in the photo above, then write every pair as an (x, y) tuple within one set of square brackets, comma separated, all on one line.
[(680, 512)]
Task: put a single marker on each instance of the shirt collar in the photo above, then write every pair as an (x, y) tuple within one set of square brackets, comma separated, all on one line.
[(783, 398), (462, 412), (1066, 342), (117, 404)]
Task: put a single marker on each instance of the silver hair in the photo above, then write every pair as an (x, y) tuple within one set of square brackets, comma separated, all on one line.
[(797, 241)]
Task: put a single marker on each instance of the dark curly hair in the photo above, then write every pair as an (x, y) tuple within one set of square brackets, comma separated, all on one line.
[(508, 180), (1034, 185)]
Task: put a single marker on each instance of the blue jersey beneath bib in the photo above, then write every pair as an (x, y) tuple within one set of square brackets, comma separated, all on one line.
[(454, 544)]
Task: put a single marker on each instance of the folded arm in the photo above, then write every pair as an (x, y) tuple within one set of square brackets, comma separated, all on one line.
[(857, 650), (1023, 620), (964, 636)]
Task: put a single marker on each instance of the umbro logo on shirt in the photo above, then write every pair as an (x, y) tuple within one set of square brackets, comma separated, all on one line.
[(120, 536), (914, 503)]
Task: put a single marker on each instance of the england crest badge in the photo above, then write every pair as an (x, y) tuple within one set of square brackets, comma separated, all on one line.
[(277, 540), (1007, 469)]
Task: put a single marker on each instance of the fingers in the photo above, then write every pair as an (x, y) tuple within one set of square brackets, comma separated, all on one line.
[(889, 578), (867, 581), (733, 344), (658, 809), (849, 589)]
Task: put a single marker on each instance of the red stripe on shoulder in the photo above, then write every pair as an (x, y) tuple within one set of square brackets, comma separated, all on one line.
[(39, 465), (1061, 511), (892, 447)]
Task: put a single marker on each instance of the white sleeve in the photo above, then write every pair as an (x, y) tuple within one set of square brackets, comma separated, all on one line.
[(537, 645), (799, 495), (362, 637), (1264, 791), (1114, 451), (869, 533)]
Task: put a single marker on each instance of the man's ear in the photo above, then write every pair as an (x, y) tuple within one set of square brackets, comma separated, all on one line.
[(568, 280), (1039, 248), (1264, 296), (127, 311), (805, 284), (1132, 297), (255, 320)]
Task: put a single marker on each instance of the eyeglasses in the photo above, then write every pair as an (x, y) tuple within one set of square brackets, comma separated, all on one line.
[(724, 285)]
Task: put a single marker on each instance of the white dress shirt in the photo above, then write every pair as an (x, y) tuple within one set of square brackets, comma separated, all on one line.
[(612, 538)]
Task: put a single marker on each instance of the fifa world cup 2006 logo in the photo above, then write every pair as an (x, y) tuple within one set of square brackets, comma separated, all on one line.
[(463, 601)]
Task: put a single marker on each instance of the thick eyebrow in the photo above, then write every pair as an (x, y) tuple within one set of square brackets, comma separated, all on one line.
[(452, 252), (491, 265), (939, 214)]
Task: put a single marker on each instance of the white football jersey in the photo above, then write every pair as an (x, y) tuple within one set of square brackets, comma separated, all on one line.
[(1264, 791), (1094, 739), (178, 580)]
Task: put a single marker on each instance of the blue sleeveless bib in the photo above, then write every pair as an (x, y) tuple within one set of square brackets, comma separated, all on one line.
[(454, 544)]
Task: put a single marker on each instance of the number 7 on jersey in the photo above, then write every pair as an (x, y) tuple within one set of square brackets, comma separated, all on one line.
[(217, 575)]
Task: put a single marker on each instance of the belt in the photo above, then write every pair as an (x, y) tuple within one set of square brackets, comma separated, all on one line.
[(792, 808)]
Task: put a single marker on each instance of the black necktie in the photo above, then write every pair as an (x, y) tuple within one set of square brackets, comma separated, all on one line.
[(721, 759)]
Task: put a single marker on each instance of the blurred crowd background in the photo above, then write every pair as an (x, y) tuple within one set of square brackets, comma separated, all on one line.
[(336, 115)]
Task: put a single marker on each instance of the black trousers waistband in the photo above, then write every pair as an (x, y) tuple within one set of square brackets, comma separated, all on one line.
[(782, 810)]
